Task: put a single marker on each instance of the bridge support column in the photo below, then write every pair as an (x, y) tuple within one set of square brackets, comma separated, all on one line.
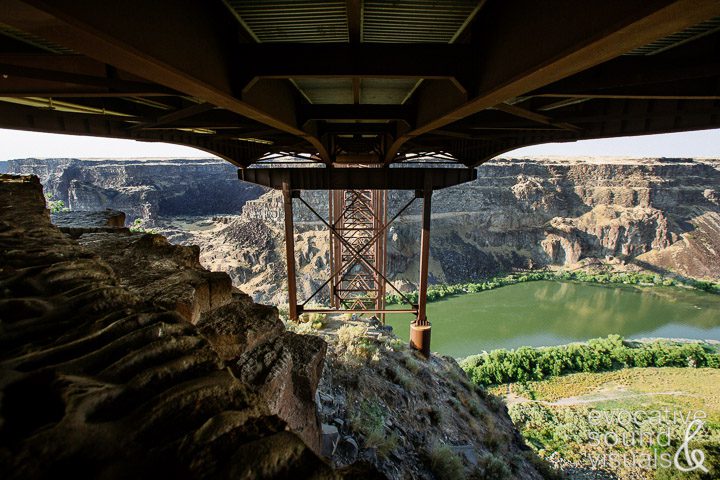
[(420, 328), (358, 242), (290, 251)]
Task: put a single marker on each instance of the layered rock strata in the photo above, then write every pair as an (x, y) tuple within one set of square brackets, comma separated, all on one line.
[(656, 214), (142, 188), (659, 214), (121, 357)]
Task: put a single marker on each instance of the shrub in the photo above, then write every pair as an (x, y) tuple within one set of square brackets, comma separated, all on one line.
[(369, 421), (398, 376), (138, 226), (348, 335), (445, 463), (491, 468), (55, 206)]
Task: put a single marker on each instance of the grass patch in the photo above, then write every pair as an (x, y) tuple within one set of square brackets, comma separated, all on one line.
[(692, 389), (565, 428), (491, 467), (369, 421), (444, 463)]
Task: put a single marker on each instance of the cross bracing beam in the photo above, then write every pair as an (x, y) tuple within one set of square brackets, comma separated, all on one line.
[(357, 178)]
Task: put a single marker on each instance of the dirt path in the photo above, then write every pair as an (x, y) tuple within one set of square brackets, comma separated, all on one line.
[(601, 395)]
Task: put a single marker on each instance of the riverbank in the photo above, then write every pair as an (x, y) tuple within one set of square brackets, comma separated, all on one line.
[(547, 313), (596, 355), (438, 292)]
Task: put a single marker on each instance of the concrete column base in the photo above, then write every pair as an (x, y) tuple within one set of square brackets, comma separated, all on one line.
[(420, 338)]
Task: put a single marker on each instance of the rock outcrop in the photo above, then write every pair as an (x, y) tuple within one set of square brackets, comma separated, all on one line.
[(121, 357), (412, 418)]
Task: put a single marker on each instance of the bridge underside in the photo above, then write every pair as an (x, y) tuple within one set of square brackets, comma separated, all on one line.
[(327, 86), (359, 81)]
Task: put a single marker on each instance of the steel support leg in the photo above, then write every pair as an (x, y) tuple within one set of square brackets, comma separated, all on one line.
[(420, 328), (290, 252)]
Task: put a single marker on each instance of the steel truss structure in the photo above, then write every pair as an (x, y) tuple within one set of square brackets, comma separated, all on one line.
[(359, 217), (358, 227)]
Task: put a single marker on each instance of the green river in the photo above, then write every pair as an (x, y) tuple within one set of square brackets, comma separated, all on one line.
[(553, 313)]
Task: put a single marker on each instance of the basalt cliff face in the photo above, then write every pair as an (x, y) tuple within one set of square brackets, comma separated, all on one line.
[(142, 188), (122, 357), (658, 214)]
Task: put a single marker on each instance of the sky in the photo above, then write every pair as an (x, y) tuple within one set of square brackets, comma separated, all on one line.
[(21, 144)]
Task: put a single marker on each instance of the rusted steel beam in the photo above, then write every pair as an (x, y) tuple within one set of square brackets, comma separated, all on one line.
[(359, 225), (420, 329), (576, 37), (193, 50), (424, 255), (357, 178), (355, 249), (290, 252), (369, 310)]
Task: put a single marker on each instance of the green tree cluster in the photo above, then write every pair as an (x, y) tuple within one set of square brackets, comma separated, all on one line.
[(600, 354), (437, 292), (55, 206), (138, 226)]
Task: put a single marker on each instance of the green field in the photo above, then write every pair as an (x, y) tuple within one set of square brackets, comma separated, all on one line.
[(569, 419)]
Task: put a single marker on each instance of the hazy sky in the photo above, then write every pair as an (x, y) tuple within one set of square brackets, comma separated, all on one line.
[(19, 144)]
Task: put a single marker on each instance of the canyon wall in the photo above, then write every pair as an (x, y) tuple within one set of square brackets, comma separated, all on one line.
[(142, 188), (654, 214), (657, 214)]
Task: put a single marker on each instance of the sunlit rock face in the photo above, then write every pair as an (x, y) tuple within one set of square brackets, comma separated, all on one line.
[(657, 213), (521, 213), (121, 357)]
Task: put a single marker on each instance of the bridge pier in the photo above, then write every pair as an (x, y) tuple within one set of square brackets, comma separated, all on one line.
[(420, 328), (357, 223), (290, 251)]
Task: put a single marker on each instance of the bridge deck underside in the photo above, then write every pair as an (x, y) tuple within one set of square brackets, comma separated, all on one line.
[(359, 81)]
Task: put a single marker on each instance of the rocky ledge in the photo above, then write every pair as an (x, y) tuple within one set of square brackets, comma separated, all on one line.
[(120, 356), (409, 417)]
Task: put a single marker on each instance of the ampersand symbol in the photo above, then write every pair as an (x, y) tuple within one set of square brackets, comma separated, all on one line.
[(695, 458)]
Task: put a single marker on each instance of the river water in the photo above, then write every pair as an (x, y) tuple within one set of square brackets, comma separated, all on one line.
[(553, 313)]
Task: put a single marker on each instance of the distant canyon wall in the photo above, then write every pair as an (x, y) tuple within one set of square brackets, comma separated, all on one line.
[(142, 188), (659, 214)]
